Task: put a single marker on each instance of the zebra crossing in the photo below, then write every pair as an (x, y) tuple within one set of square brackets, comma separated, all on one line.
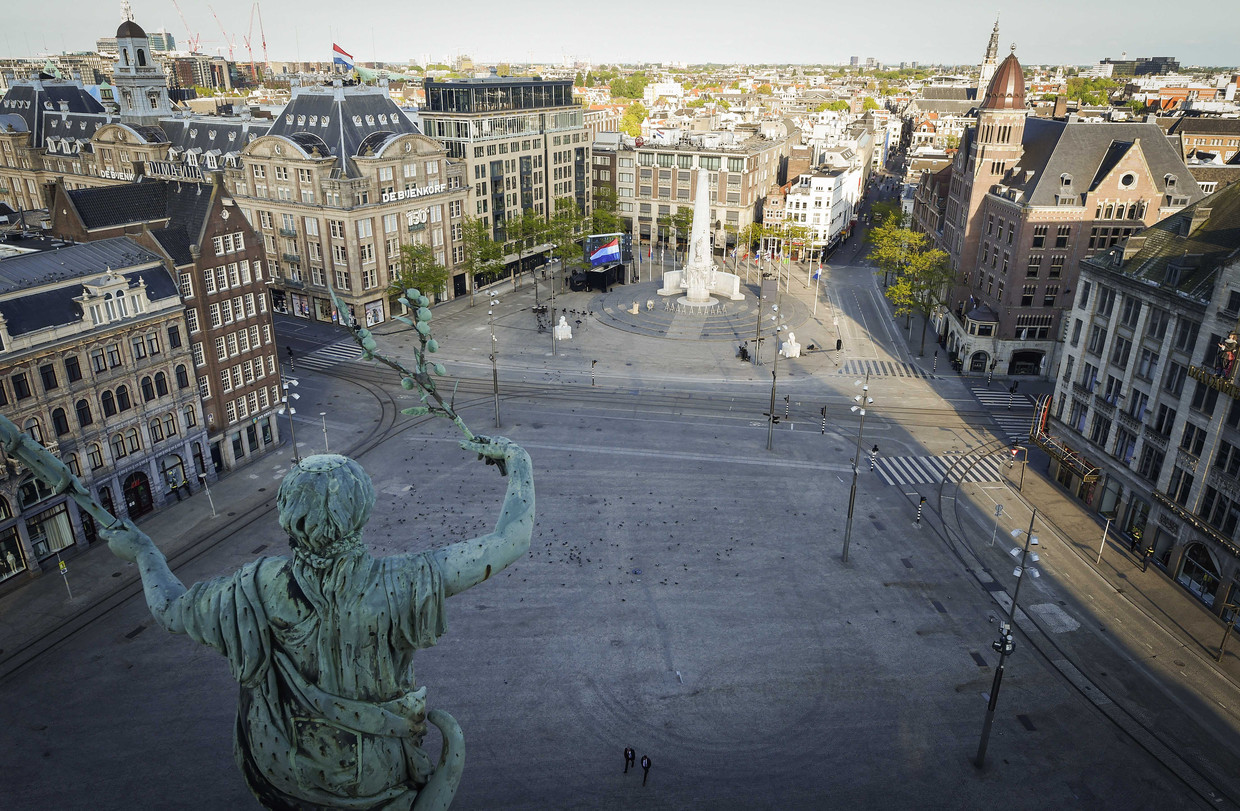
[(1014, 422), (328, 356), (854, 367), (932, 469)]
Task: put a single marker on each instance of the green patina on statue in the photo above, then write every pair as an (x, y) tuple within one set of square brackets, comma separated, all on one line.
[(322, 642)]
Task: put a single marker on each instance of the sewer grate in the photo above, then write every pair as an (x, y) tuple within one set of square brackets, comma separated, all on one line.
[(258, 549), (908, 564), (977, 657), (1025, 722), (938, 606), (135, 632)]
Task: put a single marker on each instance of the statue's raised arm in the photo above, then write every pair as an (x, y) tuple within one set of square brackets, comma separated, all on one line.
[(468, 563)]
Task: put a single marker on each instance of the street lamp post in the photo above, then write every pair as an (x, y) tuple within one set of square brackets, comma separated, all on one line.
[(863, 399), (771, 418), (288, 406), (494, 350), (1222, 646), (1004, 644), (202, 477)]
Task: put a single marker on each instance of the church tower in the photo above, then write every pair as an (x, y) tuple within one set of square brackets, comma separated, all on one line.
[(1000, 124), (141, 89), (988, 64)]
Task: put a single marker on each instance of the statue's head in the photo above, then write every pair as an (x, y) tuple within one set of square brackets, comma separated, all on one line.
[(324, 502)]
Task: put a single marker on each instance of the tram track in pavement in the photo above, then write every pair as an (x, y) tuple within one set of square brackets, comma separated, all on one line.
[(129, 587)]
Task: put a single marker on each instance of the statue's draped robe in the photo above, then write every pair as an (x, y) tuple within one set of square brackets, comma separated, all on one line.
[(328, 714)]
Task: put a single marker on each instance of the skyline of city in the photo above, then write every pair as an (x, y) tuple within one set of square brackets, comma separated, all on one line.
[(1101, 29)]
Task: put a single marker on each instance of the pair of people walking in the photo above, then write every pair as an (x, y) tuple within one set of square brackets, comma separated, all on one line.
[(630, 756)]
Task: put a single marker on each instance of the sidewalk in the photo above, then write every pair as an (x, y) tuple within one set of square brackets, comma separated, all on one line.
[(1152, 593)]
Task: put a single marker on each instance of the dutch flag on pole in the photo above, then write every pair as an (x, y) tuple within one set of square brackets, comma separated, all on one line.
[(607, 252), (341, 57)]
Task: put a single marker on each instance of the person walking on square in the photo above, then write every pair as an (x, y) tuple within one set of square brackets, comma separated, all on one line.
[(1145, 559), (629, 757), (645, 768)]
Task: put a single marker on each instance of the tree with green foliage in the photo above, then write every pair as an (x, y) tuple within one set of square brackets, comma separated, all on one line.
[(564, 228), (589, 81), (418, 269), (604, 219), (736, 85), (923, 286), (868, 103), (483, 258), (764, 89), (631, 121), (1095, 91)]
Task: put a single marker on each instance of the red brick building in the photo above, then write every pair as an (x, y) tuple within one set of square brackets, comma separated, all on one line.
[(219, 263), (1029, 198)]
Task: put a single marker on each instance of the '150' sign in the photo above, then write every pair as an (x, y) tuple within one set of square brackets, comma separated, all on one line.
[(418, 217)]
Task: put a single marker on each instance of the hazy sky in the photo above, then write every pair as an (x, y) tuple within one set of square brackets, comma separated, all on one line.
[(1045, 31)]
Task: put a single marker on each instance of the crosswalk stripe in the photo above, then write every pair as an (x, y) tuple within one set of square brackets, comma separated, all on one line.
[(330, 355), (903, 470), (856, 367)]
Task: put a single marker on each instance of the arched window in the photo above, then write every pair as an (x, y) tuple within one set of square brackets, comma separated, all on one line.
[(118, 446), (161, 384), (141, 58), (33, 429), (131, 439), (148, 390), (1170, 180), (191, 419), (125, 55), (170, 424), (60, 422), (83, 413), (94, 454), (157, 430), (122, 398), (109, 403), (6, 512), (74, 467), (182, 377), (1065, 179)]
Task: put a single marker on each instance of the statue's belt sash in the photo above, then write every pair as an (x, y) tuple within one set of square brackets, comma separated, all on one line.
[(399, 718)]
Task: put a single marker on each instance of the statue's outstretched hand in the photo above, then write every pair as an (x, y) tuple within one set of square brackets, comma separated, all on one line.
[(126, 541), (496, 450)]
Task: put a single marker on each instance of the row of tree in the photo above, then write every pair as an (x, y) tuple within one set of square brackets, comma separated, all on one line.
[(917, 276), (483, 256)]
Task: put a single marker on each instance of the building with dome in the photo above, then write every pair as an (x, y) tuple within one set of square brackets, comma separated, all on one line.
[(1028, 199), (335, 185)]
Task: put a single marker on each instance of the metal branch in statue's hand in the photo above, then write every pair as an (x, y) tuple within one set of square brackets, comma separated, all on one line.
[(418, 377)]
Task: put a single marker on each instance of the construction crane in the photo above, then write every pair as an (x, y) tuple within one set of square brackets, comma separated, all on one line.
[(246, 41), (254, 9), (193, 39), (266, 62), (231, 43)]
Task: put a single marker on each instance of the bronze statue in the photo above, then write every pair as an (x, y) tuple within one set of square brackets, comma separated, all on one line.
[(322, 642)]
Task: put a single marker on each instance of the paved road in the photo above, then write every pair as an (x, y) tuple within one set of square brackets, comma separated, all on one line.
[(684, 595)]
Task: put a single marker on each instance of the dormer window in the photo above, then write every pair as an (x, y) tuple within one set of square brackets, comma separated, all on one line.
[(1169, 180), (1065, 180)]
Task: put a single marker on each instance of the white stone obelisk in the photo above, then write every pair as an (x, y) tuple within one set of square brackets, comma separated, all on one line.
[(699, 268)]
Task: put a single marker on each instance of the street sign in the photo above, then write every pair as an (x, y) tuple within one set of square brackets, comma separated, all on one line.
[(64, 570)]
